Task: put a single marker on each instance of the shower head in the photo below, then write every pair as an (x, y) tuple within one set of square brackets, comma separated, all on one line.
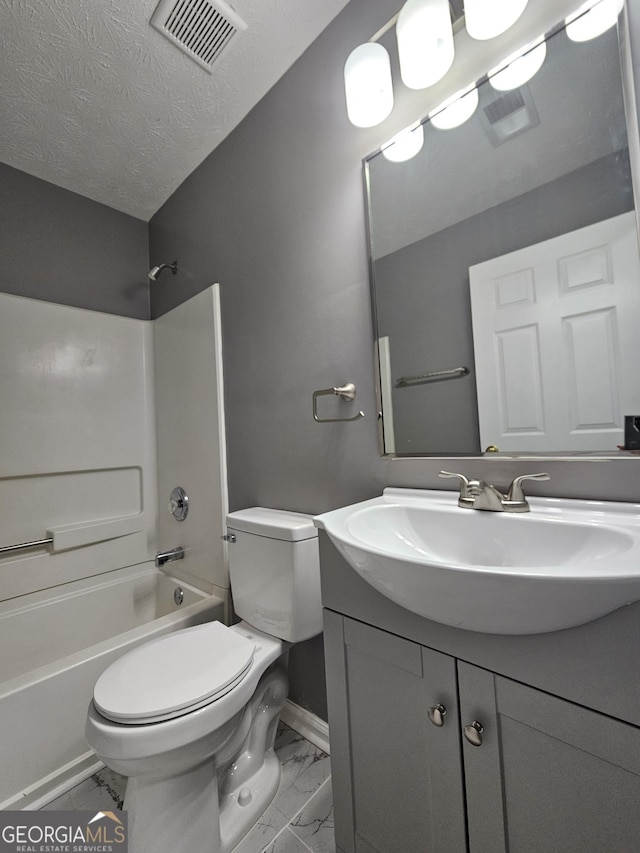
[(154, 272)]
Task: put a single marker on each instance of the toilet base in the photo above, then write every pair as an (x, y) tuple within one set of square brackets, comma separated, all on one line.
[(240, 811), (167, 814), (212, 806)]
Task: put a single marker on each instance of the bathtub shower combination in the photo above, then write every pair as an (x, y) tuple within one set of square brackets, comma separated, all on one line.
[(53, 647), (91, 451)]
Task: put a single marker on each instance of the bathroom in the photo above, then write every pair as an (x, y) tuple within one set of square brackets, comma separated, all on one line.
[(294, 289)]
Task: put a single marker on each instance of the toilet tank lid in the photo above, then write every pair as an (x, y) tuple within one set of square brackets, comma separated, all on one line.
[(273, 523)]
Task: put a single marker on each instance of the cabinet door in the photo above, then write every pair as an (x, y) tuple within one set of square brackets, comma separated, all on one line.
[(405, 781), (549, 775)]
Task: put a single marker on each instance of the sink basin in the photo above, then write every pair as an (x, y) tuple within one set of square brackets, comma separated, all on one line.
[(563, 564)]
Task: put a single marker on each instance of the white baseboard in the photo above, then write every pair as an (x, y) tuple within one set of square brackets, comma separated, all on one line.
[(310, 726)]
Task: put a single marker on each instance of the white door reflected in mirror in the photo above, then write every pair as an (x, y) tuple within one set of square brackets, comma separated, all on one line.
[(552, 324)]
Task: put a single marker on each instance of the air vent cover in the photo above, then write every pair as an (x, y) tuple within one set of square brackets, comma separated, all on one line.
[(504, 106), (509, 115), (201, 28)]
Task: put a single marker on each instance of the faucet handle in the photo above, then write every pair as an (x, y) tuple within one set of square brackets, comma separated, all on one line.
[(464, 482), (516, 492), (468, 488)]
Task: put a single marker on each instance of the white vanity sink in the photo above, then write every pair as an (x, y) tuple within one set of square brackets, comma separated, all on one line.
[(564, 563)]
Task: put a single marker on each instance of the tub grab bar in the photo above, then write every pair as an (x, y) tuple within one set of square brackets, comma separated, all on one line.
[(39, 543), (68, 536)]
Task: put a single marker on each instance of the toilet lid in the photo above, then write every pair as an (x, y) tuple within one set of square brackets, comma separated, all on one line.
[(179, 672)]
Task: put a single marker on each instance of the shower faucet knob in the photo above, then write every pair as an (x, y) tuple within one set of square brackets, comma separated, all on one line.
[(179, 503)]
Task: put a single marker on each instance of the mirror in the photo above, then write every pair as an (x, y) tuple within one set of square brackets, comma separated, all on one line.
[(505, 270)]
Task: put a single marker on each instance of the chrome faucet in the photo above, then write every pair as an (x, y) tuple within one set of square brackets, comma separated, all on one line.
[(167, 556), (476, 494)]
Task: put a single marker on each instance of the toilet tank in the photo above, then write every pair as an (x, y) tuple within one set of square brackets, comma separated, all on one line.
[(274, 568)]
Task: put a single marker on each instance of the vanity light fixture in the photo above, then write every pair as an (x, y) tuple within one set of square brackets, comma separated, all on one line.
[(404, 145), (456, 110), (426, 52), (425, 47), (519, 67), (368, 86), (425, 42), (485, 19), (592, 19)]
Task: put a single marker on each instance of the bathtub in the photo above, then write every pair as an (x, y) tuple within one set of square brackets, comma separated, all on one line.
[(53, 646)]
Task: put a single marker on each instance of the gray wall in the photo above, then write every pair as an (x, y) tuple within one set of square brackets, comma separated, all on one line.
[(276, 215), (58, 246), (430, 279)]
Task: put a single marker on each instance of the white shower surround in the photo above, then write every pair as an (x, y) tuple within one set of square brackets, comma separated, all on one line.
[(79, 450), (78, 446)]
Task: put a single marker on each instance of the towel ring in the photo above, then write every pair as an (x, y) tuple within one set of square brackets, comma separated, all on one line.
[(346, 392)]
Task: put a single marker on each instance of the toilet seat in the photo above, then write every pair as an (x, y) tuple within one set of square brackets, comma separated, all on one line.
[(174, 675)]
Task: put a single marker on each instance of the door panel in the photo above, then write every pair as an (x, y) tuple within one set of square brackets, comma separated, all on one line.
[(577, 769), (555, 330), (570, 776), (560, 797)]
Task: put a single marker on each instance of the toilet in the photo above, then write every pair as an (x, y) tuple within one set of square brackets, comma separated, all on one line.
[(190, 718)]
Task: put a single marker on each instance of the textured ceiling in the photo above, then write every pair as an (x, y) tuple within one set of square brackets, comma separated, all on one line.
[(95, 100)]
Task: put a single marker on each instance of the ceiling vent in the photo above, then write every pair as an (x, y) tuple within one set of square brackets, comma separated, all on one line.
[(509, 115), (201, 28)]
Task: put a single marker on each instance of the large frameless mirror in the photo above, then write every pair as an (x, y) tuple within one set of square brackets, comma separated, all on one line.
[(505, 266)]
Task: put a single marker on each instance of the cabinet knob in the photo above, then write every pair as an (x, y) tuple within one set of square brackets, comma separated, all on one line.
[(437, 714), (473, 733)]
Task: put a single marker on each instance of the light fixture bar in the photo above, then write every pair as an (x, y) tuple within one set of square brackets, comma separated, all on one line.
[(456, 23)]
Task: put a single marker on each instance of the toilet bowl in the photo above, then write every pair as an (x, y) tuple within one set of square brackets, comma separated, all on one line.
[(190, 718)]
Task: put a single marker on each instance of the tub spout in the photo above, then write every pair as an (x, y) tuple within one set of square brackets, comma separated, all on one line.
[(163, 557)]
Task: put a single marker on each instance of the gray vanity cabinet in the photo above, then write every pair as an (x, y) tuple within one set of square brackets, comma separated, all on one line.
[(544, 775), (549, 775), (402, 790)]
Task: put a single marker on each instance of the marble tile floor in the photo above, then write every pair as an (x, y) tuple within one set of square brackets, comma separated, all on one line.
[(299, 820)]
